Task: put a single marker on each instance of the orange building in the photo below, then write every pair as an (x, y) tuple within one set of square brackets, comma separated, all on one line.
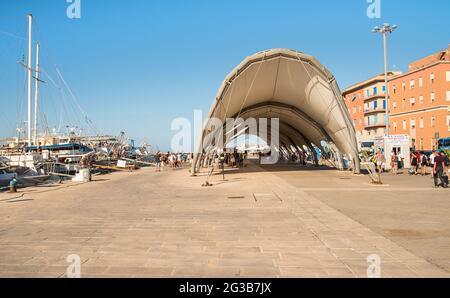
[(420, 101), (367, 107)]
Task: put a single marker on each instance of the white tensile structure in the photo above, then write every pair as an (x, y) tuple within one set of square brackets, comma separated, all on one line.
[(293, 87)]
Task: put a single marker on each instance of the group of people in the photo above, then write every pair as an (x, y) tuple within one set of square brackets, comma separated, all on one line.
[(172, 160), (233, 160), (301, 157), (421, 164)]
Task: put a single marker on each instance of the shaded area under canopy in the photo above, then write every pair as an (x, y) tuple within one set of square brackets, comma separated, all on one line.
[(290, 86)]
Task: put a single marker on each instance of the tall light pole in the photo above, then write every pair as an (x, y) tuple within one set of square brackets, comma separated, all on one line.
[(385, 29)]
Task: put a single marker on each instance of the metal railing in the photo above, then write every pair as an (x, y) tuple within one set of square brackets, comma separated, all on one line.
[(373, 96), (379, 110), (373, 125)]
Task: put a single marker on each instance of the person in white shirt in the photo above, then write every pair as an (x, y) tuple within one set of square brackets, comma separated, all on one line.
[(432, 163)]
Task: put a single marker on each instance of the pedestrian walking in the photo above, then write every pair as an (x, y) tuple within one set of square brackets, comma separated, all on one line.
[(447, 166), (439, 166), (380, 161), (394, 163), (179, 160), (233, 160), (432, 157), (414, 163), (158, 162), (424, 163)]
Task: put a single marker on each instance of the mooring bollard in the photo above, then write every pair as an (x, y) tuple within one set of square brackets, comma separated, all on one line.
[(13, 186)]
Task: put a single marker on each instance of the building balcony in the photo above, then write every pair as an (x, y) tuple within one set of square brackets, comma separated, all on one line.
[(374, 96), (373, 111), (374, 125)]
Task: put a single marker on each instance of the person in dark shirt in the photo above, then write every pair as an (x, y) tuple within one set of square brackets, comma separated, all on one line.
[(158, 162), (439, 166)]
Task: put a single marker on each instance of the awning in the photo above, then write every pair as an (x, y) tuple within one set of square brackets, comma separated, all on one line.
[(293, 87)]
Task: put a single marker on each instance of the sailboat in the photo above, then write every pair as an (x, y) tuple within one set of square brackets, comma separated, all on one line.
[(53, 153), (20, 161)]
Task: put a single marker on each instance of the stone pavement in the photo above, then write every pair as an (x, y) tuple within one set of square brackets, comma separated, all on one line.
[(409, 211), (145, 224)]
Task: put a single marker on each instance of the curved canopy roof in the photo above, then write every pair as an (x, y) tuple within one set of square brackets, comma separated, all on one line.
[(293, 87)]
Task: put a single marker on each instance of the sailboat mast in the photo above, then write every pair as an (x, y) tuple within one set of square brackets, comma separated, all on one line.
[(36, 96), (30, 24)]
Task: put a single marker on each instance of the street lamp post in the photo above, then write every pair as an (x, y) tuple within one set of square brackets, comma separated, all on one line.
[(385, 29)]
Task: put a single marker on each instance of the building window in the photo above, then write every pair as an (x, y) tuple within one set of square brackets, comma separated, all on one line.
[(421, 99), (412, 101), (404, 124), (448, 76), (412, 84), (354, 110), (432, 96), (420, 82), (394, 105), (354, 122), (448, 95), (375, 120), (395, 126), (354, 98), (413, 123), (421, 144), (404, 86), (384, 88), (433, 122), (375, 90), (404, 103), (432, 78), (394, 89), (421, 125)]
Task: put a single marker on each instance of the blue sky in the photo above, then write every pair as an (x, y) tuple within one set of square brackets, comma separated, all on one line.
[(136, 65)]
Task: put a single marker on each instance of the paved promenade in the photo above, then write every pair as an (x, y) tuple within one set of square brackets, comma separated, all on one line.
[(146, 224)]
